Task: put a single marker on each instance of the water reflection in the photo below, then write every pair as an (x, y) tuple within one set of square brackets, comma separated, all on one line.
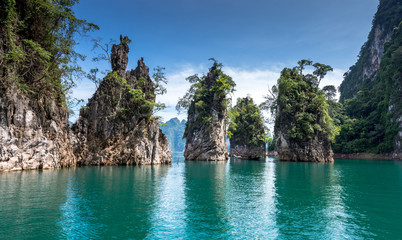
[(111, 202), (77, 219), (197, 200), (29, 203), (250, 199), (168, 218), (204, 199), (301, 199)]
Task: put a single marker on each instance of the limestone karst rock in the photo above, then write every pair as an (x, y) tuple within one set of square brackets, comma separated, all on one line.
[(374, 82), (34, 132), (302, 125), (247, 129), (206, 124), (34, 127), (314, 150), (116, 127)]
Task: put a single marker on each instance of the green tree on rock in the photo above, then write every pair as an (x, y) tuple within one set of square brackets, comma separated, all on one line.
[(37, 53), (246, 130), (303, 126), (206, 103)]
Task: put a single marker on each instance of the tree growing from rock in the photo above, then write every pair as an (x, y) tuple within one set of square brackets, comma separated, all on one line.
[(247, 132), (303, 127), (206, 102)]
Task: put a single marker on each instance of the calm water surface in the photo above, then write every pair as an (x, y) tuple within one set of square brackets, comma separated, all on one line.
[(351, 199)]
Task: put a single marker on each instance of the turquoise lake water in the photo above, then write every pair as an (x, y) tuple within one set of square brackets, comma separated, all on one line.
[(350, 199)]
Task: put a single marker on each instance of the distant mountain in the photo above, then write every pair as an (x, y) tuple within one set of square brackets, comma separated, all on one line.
[(174, 130)]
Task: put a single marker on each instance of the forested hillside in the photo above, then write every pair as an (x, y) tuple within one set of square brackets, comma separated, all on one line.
[(371, 92)]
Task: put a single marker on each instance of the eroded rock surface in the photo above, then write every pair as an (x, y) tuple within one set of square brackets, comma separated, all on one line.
[(317, 149), (116, 126), (34, 133), (206, 140)]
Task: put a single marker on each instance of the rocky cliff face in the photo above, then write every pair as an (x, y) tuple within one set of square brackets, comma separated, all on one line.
[(116, 126), (376, 75), (314, 150), (365, 70), (34, 129), (247, 152), (34, 133), (376, 50), (206, 130)]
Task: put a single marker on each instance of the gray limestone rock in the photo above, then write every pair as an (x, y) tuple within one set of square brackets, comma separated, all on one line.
[(116, 129), (34, 134), (207, 141), (317, 149)]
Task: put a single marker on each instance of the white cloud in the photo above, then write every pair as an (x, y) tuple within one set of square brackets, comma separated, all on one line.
[(254, 83)]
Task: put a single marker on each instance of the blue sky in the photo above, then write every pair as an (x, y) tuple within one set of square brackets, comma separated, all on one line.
[(254, 39)]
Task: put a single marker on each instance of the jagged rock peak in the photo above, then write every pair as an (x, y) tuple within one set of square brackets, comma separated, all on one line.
[(206, 128), (116, 127), (142, 70), (119, 55)]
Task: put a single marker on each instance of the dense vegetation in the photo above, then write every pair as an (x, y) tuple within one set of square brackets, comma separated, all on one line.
[(37, 49), (246, 124), (388, 16), (174, 130), (370, 105), (299, 105), (369, 122), (142, 91), (207, 91)]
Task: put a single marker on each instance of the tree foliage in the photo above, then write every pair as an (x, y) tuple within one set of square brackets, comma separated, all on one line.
[(247, 124), (38, 44), (371, 117), (330, 92), (299, 105), (202, 92)]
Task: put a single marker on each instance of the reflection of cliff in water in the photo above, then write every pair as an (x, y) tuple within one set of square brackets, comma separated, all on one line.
[(25, 203), (301, 189), (369, 207), (104, 194), (204, 184), (251, 198)]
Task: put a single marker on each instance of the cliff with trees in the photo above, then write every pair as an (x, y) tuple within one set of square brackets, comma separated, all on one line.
[(206, 103), (38, 69), (371, 94), (246, 130), (117, 126), (303, 127)]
